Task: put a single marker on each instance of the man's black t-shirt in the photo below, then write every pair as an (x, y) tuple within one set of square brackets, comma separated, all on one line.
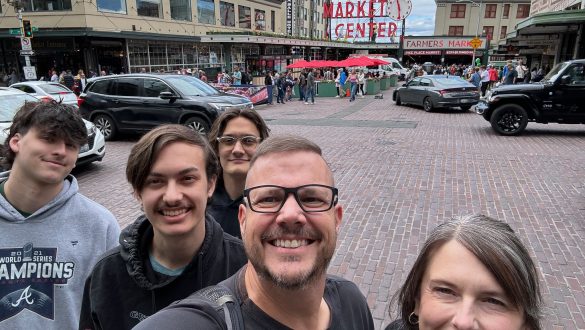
[(224, 210), (348, 306)]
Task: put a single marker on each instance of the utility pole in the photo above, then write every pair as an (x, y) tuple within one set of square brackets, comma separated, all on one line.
[(25, 43)]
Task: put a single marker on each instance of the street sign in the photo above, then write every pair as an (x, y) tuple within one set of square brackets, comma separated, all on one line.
[(25, 44), (26, 53), (14, 32), (30, 72), (475, 43)]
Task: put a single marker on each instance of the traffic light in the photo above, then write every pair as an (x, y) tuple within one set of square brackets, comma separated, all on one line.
[(26, 29)]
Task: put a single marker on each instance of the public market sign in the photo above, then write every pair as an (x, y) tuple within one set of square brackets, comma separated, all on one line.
[(358, 20), (441, 43)]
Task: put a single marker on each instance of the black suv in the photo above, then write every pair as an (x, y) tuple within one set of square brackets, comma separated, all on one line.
[(558, 98), (140, 102)]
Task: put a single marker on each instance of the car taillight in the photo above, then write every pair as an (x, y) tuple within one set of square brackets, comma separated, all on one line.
[(46, 99), (443, 92), (80, 101)]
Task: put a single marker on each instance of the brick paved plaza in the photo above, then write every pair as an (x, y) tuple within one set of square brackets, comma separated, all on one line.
[(401, 171)]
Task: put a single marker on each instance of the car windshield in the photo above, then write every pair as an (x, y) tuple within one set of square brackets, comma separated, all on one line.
[(451, 81), (9, 104), (54, 88), (554, 73), (191, 86)]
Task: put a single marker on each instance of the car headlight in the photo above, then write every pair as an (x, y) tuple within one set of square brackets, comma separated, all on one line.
[(221, 107)]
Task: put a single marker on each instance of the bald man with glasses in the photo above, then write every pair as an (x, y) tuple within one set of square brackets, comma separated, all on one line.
[(289, 223)]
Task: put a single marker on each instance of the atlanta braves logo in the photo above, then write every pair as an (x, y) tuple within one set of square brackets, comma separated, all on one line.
[(27, 280)]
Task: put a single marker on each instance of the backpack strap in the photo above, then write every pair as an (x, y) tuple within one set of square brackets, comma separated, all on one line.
[(225, 303)]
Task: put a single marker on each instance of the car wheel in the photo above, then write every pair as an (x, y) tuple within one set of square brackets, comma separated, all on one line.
[(106, 125), (510, 119), (428, 104), (197, 124), (465, 107), (398, 101)]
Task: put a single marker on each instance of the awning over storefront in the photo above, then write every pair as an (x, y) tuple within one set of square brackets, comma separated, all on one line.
[(550, 23)]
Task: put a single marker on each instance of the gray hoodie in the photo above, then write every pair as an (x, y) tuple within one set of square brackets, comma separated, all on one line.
[(45, 258)]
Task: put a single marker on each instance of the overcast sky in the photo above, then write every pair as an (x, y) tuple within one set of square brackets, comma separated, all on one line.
[(421, 21)]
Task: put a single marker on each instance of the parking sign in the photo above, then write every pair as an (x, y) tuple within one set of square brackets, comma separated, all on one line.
[(30, 72)]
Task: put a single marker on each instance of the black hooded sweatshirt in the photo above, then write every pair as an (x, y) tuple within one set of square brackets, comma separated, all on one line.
[(123, 289)]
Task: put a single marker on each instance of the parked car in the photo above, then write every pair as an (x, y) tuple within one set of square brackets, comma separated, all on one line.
[(558, 98), (140, 102), (437, 91), (48, 91), (12, 99)]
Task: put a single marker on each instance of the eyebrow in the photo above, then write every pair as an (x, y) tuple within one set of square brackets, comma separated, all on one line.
[(483, 292), (182, 172)]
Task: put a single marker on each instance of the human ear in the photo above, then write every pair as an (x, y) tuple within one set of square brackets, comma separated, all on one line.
[(14, 142)]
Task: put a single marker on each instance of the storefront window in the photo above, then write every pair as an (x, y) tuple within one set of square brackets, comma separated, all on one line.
[(206, 11), (227, 14), (114, 6), (152, 8), (244, 17), (44, 5), (260, 19), (181, 10), (457, 11)]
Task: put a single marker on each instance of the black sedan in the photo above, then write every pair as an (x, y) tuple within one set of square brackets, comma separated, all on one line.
[(437, 91)]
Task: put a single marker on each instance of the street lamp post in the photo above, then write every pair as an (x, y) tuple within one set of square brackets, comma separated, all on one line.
[(477, 28)]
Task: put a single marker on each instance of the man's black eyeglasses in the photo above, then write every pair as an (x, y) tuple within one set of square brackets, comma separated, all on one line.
[(271, 198)]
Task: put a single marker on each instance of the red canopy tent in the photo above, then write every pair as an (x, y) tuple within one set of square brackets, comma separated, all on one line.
[(298, 65), (356, 61)]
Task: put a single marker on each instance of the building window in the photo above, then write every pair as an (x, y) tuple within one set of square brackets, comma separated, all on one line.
[(272, 20), (206, 11), (506, 12), (244, 17), (227, 14), (152, 8), (46, 5), (260, 19), (490, 11), (488, 31), (455, 30), (181, 10), (458, 11), (114, 6), (503, 32), (523, 11)]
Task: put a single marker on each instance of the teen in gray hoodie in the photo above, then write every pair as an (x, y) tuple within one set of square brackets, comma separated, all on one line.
[(51, 234)]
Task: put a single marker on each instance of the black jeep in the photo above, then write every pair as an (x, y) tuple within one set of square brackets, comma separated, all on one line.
[(558, 98)]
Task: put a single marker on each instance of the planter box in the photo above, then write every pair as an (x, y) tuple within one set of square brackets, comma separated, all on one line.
[(393, 80), (326, 89), (372, 86), (384, 83)]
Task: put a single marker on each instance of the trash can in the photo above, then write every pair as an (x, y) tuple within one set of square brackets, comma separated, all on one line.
[(393, 80)]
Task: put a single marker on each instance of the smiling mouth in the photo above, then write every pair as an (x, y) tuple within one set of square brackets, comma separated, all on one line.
[(173, 213), (290, 244)]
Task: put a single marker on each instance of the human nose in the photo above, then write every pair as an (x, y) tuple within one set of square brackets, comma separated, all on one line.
[(172, 194), (465, 318), (291, 211), (238, 147), (59, 148)]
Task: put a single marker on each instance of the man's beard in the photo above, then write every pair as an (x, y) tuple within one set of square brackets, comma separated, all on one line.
[(299, 281)]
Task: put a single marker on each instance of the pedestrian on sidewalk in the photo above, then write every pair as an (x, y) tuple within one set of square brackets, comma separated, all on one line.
[(361, 82), (485, 79), (268, 84), (302, 85), (342, 79), (310, 88), (353, 80)]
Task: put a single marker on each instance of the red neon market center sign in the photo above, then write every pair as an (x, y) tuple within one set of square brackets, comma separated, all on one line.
[(355, 20)]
